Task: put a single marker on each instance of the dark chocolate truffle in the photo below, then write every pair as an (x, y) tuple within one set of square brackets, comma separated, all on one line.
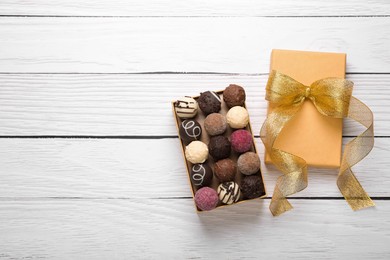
[(201, 175), (248, 163), (209, 102), (234, 95), (190, 130), (229, 192), (215, 124), (241, 141), (219, 147), (252, 187), (206, 198), (225, 170)]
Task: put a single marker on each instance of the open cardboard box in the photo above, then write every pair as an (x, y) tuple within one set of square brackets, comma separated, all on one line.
[(205, 138)]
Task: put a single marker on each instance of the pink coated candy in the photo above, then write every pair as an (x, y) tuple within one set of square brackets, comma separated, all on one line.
[(241, 141), (206, 198)]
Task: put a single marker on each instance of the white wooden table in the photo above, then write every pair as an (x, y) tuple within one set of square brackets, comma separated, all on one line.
[(90, 165)]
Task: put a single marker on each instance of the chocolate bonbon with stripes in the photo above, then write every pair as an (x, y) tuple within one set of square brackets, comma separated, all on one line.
[(229, 192), (186, 107)]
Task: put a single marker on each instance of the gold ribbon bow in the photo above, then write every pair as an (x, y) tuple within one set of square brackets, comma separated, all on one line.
[(332, 97)]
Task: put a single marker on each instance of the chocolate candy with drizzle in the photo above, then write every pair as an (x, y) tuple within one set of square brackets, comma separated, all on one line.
[(190, 130), (229, 192), (201, 175), (186, 107)]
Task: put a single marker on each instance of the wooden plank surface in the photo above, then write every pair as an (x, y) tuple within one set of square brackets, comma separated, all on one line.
[(170, 229), (243, 8), (142, 168), (126, 104), (182, 44)]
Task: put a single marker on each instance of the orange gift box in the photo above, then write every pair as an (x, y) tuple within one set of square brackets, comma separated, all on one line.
[(310, 135)]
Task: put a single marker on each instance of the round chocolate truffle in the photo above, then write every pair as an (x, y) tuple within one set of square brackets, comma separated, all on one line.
[(225, 170), (186, 107), (206, 198), (229, 192), (219, 147), (234, 95), (215, 124), (190, 130), (209, 102), (196, 152), (201, 175), (241, 141), (252, 187), (237, 117), (248, 163)]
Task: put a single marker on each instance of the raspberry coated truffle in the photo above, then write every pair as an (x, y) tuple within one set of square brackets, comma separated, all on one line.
[(215, 124), (234, 95), (186, 107), (206, 198), (225, 170), (252, 187), (237, 117), (219, 147), (196, 152), (229, 192), (190, 130), (201, 175), (248, 163), (209, 102), (241, 141)]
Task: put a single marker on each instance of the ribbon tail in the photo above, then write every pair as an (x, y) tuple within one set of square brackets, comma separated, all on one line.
[(355, 151), (294, 168)]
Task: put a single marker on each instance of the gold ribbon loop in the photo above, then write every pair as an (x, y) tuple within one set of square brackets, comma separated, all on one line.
[(332, 97)]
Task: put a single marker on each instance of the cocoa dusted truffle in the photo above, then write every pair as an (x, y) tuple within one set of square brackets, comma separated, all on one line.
[(206, 198), (241, 141), (229, 192), (215, 124), (209, 102), (225, 170), (234, 95), (190, 130), (196, 152), (248, 163), (252, 187), (201, 175), (237, 117), (219, 147), (186, 107)]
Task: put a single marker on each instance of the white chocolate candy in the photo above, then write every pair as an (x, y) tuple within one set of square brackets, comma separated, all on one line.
[(237, 117), (229, 192), (186, 107), (197, 152)]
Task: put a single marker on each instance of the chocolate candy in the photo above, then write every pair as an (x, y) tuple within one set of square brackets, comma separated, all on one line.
[(190, 130), (237, 117), (215, 124), (229, 192), (201, 175), (219, 147), (241, 141), (206, 198), (225, 170), (248, 163), (209, 102), (234, 95), (196, 152), (252, 187), (186, 107)]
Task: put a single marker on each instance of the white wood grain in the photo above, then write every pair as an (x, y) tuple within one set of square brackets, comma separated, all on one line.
[(105, 168), (229, 44), (194, 8), (170, 229), (140, 104)]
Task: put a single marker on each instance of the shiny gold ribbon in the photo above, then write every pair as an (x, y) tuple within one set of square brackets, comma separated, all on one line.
[(332, 97)]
